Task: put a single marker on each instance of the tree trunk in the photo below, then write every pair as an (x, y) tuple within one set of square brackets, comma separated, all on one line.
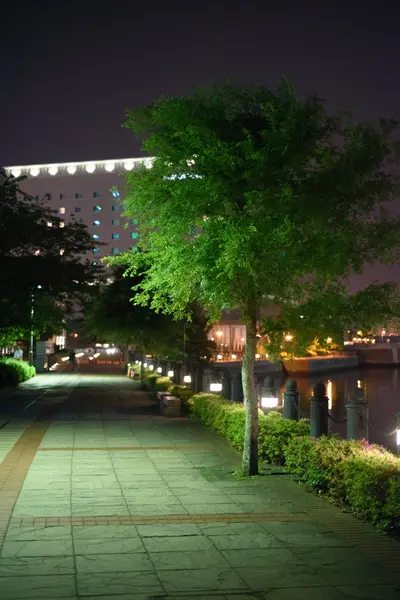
[(250, 449)]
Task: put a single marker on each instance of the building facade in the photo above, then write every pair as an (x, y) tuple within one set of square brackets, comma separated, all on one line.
[(90, 192)]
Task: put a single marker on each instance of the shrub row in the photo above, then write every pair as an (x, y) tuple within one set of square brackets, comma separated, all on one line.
[(13, 372), (360, 477)]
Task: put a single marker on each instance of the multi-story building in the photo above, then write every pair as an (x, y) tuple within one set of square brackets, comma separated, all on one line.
[(88, 191)]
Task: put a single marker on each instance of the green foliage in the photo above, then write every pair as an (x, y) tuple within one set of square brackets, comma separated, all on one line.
[(362, 477), (162, 384), (317, 321), (33, 254), (180, 391), (256, 194), (228, 420), (13, 372)]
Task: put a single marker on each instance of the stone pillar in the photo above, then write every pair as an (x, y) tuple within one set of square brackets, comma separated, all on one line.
[(291, 401), (357, 415), (319, 410)]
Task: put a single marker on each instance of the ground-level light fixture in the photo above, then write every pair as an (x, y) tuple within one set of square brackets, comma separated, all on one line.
[(329, 340), (65, 358), (80, 354), (268, 395), (233, 355), (216, 387), (257, 356), (96, 355), (288, 337), (151, 367), (159, 370), (145, 365), (219, 356), (187, 379), (90, 357), (170, 373)]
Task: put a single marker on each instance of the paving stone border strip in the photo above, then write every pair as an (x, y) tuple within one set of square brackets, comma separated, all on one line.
[(124, 448), (165, 520), (14, 468)]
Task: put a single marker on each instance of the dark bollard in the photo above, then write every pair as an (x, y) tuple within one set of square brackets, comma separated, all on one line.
[(225, 392), (236, 387), (291, 401), (319, 411), (357, 415)]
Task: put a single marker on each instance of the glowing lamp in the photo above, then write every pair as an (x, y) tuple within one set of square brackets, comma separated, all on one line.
[(71, 169), (216, 387), (110, 166), (53, 170), (151, 367), (15, 172), (269, 402), (159, 370), (187, 379), (35, 171), (170, 373), (219, 356), (90, 167)]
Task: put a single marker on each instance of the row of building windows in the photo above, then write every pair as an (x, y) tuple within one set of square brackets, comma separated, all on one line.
[(115, 222), (115, 236), (113, 251), (79, 195), (97, 208)]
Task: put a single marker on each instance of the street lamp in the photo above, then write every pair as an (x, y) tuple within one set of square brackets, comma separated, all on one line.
[(39, 287)]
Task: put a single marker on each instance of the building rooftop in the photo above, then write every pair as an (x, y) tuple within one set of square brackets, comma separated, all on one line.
[(89, 167)]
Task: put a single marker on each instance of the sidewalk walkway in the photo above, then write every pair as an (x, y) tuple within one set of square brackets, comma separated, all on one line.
[(108, 500)]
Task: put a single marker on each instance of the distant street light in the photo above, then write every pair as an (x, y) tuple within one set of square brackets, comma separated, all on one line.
[(39, 287)]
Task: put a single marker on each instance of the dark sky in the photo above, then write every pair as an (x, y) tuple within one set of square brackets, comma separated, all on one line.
[(70, 70)]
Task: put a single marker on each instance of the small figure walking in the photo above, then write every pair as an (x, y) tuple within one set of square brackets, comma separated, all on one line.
[(72, 360)]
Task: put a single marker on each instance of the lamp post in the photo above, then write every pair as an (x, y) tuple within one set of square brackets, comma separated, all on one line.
[(39, 287)]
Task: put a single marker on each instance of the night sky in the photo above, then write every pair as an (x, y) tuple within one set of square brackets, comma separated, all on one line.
[(70, 70)]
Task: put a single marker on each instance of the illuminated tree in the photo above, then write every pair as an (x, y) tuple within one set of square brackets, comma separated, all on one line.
[(254, 193)]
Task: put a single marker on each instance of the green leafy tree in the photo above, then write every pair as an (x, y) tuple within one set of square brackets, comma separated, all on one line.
[(115, 318), (318, 322), (255, 193), (40, 255)]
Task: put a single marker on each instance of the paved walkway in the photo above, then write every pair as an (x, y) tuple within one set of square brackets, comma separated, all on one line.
[(103, 498)]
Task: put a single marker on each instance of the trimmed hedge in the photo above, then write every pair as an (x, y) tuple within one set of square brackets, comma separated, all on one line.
[(362, 478), (13, 372), (228, 420)]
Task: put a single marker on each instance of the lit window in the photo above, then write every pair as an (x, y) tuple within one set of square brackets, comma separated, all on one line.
[(62, 224), (134, 221), (61, 196), (94, 263), (115, 236), (134, 235), (96, 195), (115, 250), (96, 250), (135, 249), (97, 223), (96, 208), (62, 211), (62, 252), (49, 224), (95, 236), (115, 222), (115, 193), (37, 252), (77, 209), (116, 207), (78, 195)]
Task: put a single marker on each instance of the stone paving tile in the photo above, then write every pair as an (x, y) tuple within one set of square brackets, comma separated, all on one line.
[(107, 546), (37, 565), (206, 559), (370, 592), (118, 583), (178, 544), (38, 587), (244, 541), (200, 580), (36, 548), (113, 563), (261, 557), (168, 530), (357, 573), (304, 593), (20, 534), (290, 576)]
